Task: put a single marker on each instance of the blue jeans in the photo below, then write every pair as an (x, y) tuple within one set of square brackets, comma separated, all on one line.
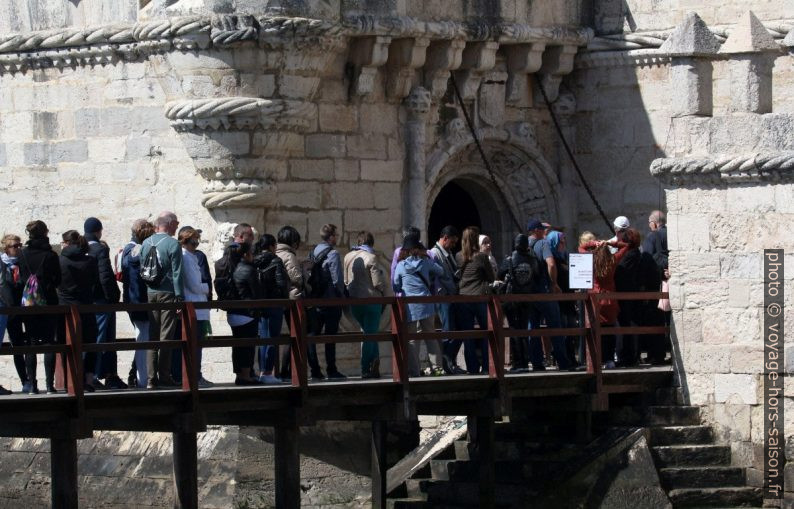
[(106, 333), (465, 315), (368, 317), (323, 321), (269, 327), (550, 311)]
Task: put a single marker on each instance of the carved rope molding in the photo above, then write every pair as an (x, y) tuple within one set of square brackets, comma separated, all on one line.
[(239, 113), (654, 39), (73, 45), (773, 167)]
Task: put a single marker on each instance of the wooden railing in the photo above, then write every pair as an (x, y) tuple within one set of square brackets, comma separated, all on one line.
[(298, 339)]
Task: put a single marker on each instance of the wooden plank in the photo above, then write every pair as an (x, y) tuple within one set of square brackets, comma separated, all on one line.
[(63, 469), (378, 467), (287, 459), (185, 471)]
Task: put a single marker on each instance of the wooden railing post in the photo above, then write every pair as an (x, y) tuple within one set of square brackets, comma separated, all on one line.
[(75, 376), (298, 354), (594, 359), (190, 366), (399, 358)]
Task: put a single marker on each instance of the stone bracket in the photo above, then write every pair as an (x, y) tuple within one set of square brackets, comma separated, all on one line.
[(522, 59), (557, 62), (367, 54), (442, 56), (405, 57), (477, 58)]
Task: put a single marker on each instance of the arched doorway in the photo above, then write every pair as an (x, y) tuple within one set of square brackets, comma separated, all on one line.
[(464, 202)]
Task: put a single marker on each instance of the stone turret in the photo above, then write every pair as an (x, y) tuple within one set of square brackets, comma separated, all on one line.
[(752, 52), (691, 47)]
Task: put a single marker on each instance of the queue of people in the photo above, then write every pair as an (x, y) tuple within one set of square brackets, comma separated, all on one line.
[(162, 264)]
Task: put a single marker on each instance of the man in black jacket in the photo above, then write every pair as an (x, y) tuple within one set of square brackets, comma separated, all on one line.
[(106, 292)]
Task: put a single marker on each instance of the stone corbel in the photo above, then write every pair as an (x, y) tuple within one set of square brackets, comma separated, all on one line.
[(522, 59), (367, 54), (557, 62), (442, 56), (477, 58), (405, 57)]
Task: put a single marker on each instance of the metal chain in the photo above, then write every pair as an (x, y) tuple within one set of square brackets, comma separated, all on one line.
[(482, 154), (573, 160)]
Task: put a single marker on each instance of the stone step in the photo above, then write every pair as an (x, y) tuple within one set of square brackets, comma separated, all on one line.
[(408, 503), (656, 416), (670, 396), (467, 494), (701, 477), (679, 435), (524, 451), (455, 470), (716, 497), (691, 455)]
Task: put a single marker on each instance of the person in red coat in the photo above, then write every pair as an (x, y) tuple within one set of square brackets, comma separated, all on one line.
[(604, 265)]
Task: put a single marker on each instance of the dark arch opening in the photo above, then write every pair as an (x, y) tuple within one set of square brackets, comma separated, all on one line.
[(455, 206)]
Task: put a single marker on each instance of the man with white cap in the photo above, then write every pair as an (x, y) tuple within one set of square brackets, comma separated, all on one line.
[(621, 224)]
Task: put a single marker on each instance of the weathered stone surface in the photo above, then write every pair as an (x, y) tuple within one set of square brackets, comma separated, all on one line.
[(735, 388), (749, 36), (382, 170), (691, 38)]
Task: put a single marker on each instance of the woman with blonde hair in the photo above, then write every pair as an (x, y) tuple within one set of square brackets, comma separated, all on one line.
[(476, 276)]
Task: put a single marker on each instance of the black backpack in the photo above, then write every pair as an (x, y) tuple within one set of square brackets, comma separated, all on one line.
[(224, 278), (273, 277), (522, 276), (316, 278), (151, 270)]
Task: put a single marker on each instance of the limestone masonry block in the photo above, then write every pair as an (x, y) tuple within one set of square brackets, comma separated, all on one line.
[(375, 221), (325, 145), (346, 169), (338, 118), (367, 146), (689, 232), (312, 169), (300, 195), (748, 359), (731, 325), (706, 359), (740, 389), (349, 195), (734, 421), (382, 170)]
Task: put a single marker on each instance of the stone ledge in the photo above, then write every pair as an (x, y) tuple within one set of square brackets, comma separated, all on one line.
[(771, 167)]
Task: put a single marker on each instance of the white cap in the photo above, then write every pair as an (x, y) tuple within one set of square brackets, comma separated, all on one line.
[(621, 222)]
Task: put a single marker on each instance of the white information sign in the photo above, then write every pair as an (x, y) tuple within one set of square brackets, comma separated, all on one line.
[(580, 271)]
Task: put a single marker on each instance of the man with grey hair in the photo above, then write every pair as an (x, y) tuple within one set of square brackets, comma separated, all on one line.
[(655, 243), (162, 324)]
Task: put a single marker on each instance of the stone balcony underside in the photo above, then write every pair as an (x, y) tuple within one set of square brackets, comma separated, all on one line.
[(231, 138)]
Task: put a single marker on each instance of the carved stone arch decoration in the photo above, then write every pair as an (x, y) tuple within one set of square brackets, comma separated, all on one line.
[(527, 181)]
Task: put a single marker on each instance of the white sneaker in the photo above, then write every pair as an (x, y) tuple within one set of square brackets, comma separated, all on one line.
[(269, 379), (203, 383)]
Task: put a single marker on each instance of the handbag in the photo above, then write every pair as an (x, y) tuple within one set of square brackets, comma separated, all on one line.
[(664, 304)]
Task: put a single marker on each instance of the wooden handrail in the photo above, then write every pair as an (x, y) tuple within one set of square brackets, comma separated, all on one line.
[(189, 344)]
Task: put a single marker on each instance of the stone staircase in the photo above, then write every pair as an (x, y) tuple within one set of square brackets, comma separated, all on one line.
[(693, 469)]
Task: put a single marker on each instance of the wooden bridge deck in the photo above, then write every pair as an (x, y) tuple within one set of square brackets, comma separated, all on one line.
[(188, 410)]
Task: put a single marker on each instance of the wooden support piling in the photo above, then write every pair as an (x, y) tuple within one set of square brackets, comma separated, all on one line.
[(484, 440), (63, 469), (379, 466), (185, 470), (288, 477)]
